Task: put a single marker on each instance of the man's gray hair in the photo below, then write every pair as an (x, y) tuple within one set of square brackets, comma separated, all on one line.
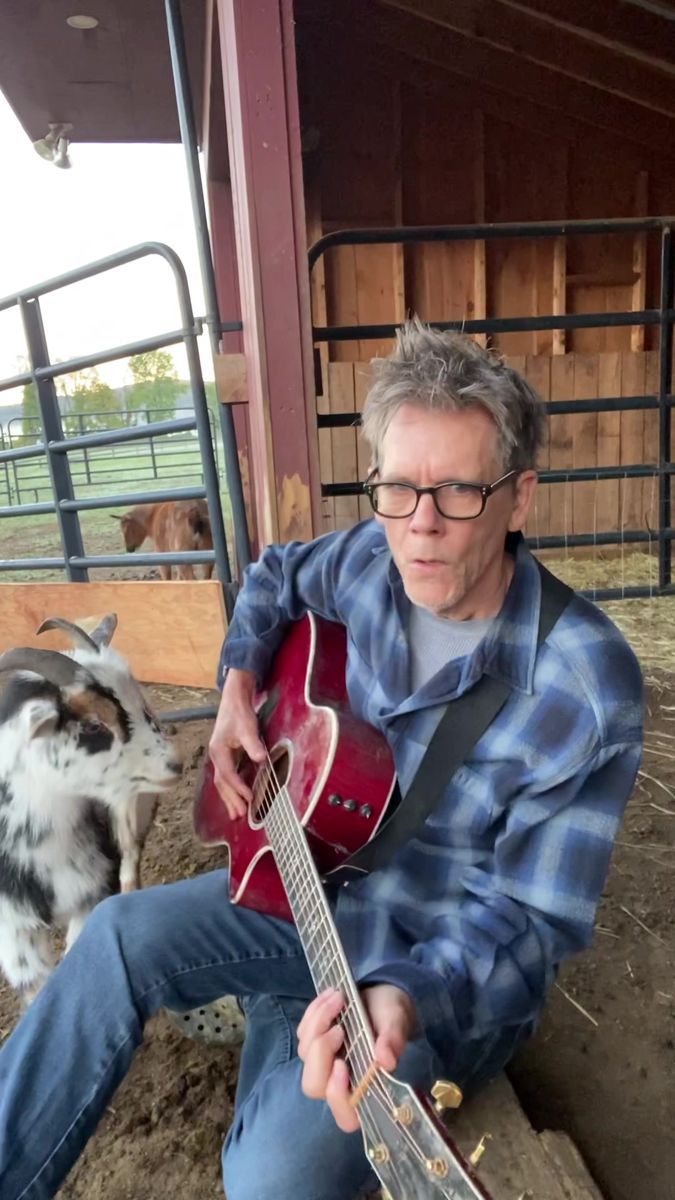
[(449, 372)]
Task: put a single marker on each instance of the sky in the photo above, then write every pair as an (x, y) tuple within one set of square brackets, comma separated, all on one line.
[(52, 220)]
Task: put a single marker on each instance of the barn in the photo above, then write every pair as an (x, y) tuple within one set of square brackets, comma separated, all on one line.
[(506, 167)]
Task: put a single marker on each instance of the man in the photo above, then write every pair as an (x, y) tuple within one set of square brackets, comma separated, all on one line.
[(455, 942)]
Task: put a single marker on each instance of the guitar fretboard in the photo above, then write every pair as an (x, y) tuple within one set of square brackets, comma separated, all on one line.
[(316, 927)]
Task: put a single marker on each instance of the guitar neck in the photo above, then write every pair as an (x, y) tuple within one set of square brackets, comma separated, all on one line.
[(316, 927)]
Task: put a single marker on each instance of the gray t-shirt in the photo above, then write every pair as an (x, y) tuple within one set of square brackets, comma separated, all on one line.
[(434, 641)]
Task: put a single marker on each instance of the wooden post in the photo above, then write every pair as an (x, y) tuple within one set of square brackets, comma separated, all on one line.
[(263, 130)]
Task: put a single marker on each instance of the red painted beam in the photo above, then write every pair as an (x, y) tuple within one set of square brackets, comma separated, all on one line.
[(260, 85)]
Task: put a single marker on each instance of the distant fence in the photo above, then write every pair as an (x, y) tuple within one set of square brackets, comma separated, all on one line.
[(175, 456)]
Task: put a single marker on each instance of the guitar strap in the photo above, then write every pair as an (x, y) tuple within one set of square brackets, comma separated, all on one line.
[(463, 723)]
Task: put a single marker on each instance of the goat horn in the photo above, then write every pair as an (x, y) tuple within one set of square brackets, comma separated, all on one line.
[(115, 517), (102, 634), (50, 664), (77, 636)]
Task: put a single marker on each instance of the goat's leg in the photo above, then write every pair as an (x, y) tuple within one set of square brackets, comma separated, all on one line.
[(26, 958), (208, 570), (125, 832), (186, 571), (75, 925), (164, 571), (132, 820)]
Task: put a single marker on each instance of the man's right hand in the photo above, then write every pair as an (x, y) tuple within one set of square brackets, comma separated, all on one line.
[(235, 730)]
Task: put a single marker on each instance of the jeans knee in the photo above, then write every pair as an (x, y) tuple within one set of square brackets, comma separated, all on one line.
[(117, 930)]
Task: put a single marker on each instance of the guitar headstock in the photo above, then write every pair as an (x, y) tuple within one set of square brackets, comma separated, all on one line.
[(409, 1148)]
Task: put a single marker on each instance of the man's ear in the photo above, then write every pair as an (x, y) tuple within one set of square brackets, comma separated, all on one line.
[(40, 717), (526, 486)]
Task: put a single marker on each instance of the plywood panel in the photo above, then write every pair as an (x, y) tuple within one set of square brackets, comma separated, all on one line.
[(170, 632)]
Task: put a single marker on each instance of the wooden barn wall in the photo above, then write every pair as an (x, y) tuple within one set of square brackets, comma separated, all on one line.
[(389, 143), (390, 153)]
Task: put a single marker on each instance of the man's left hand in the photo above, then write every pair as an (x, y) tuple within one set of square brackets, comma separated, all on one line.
[(320, 1039)]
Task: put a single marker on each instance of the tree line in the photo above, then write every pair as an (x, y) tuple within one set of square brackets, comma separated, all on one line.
[(91, 405)]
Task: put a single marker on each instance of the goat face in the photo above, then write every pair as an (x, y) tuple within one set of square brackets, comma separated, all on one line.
[(85, 719)]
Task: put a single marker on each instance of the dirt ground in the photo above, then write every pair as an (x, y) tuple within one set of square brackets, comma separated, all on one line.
[(602, 1066)]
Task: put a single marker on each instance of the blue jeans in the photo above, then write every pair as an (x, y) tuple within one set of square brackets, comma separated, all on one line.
[(180, 946)]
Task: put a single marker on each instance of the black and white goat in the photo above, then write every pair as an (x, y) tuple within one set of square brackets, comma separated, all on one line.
[(81, 760)]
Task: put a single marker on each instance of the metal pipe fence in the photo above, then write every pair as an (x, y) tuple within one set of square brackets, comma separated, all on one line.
[(55, 448)]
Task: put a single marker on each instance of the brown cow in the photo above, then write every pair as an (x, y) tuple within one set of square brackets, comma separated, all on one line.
[(171, 525)]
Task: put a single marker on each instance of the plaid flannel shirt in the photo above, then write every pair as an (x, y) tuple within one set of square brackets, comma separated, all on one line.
[(473, 916)]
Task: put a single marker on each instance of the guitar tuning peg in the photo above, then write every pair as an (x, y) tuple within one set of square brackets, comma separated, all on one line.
[(479, 1151), (446, 1095)]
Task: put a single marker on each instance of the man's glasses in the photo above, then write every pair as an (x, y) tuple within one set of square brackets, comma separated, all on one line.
[(454, 500)]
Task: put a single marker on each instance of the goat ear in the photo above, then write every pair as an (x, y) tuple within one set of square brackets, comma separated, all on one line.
[(40, 717), (115, 517)]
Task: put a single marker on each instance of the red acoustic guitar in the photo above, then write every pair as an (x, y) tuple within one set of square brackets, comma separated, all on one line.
[(322, 793)]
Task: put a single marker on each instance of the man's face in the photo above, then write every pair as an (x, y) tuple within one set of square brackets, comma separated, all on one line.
[(454, 568)]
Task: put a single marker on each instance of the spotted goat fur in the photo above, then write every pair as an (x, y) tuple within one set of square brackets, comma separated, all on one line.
[(82, 759)]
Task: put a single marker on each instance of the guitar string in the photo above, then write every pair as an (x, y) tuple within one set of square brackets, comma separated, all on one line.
[(377, 1095), (364, 1109), (377, 1092), (337, 972)]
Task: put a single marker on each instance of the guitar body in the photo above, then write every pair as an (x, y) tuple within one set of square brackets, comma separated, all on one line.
[(338, 771)]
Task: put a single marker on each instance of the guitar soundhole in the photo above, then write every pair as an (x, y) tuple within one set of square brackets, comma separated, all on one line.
[(268, 782)]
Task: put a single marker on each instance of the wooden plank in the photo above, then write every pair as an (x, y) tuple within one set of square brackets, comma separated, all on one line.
[(319, 317), (560, 453), (479, 255), (399, 263), (609, 442), (345, 459), (650, 492), (577, 1183), (362, 376), (632, 441), (538, 373), (518, 1163), (585, 442), (639, 288), (170, 632), (230, 374), (559, 307)]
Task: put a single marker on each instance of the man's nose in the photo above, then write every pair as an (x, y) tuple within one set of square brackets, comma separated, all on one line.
[(426, 515)]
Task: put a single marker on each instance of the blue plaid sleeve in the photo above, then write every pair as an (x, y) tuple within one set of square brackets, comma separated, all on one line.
[(522, 912)]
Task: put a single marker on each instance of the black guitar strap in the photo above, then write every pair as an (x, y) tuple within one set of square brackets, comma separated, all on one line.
[(463, 723)]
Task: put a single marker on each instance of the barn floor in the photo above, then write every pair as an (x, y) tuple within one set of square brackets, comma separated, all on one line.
[(602, 1066)]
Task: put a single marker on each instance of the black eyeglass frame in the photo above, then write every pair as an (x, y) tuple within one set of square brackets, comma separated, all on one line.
[(484, 489)]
